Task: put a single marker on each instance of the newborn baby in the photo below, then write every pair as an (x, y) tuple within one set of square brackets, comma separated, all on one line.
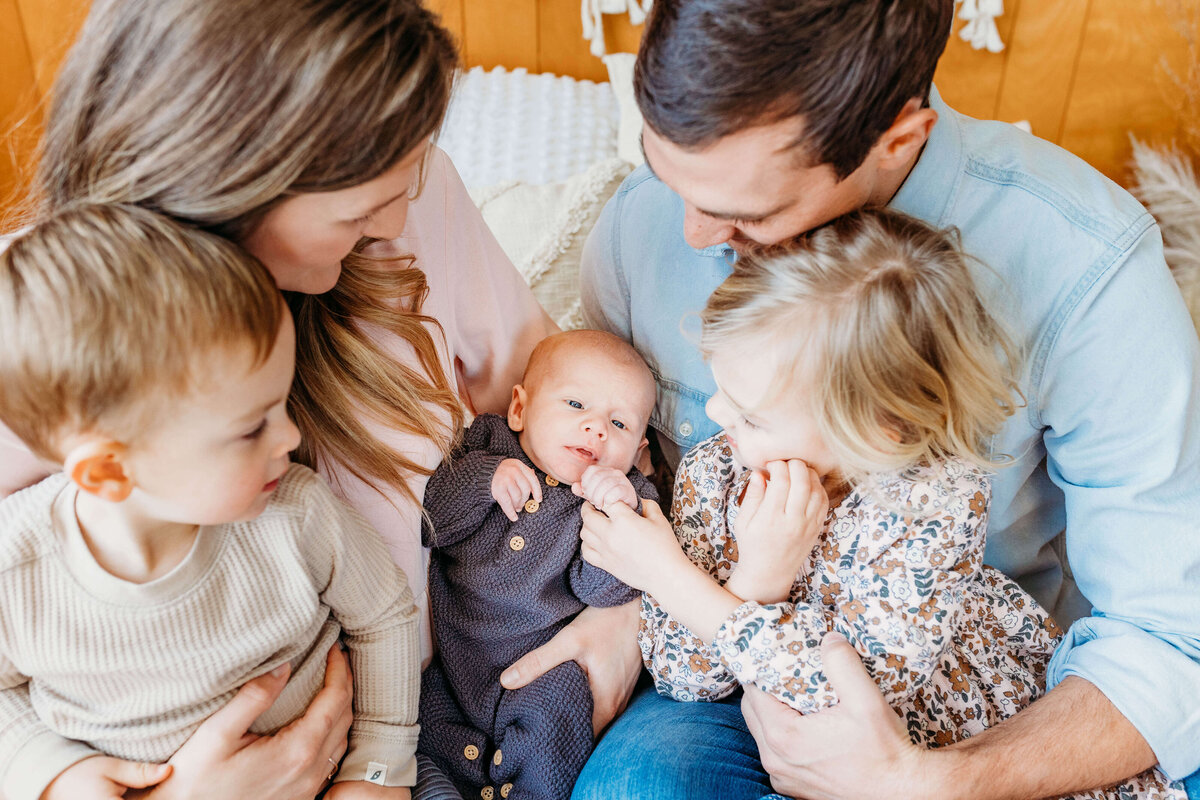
[(506, 574)]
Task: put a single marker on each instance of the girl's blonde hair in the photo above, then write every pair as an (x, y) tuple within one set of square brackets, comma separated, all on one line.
[(910, 368), (215, 111), (104, 312)]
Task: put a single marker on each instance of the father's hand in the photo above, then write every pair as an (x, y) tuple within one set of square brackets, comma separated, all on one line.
[(603, 641), (223, 759), (857, 749)]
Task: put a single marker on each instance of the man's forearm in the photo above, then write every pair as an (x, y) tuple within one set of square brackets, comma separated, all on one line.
[(1071, 740)]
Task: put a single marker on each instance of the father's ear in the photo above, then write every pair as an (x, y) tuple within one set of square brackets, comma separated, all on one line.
[(98, 466), (516, 408), (907, 135)]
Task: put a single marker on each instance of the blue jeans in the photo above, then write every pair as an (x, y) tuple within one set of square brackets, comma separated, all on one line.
[(661, 749)]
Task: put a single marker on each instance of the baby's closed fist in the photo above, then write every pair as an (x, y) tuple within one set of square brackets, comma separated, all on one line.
[(603, 486), (512, 485)]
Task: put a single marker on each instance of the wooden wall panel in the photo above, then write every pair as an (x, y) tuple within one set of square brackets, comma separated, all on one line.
[(969, 79), (50, 29), (1083, 72), (20, 110), (1042, 53), (1120, 86), (501, 34)]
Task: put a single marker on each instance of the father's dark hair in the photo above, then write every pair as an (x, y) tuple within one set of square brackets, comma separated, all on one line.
[(709, 68)]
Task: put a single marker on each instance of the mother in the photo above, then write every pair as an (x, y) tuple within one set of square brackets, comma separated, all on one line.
[(301, 129)]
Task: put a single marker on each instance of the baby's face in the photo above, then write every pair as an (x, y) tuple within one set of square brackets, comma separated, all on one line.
[(585, 408)]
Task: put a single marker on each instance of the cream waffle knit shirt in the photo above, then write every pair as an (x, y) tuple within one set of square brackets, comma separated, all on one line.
[(92, 663)]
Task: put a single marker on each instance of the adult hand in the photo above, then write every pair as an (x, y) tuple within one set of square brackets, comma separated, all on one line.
[(857, 749), (603, 486), (223, 759), (636, 549), (603, 641), (103, 777), (779, 522), (512, 484)]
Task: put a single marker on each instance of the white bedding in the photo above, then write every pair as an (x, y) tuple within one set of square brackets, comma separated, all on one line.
[(514, 126)]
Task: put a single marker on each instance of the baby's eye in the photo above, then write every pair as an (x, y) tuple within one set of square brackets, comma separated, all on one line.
[(748, 423), (574, 404), (257, 432), (619, 424)]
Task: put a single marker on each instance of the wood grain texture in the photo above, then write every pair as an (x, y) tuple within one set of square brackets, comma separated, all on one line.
[(970, 80), (50, 29), (20, 108), (1043, 52), (501, 33), (1121, 86)]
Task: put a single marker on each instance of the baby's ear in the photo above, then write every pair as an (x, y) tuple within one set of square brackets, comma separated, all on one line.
[(642, 459), (516, 408), (98, 466)]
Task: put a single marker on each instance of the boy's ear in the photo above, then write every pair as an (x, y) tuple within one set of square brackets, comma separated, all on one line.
[(907, 135), (97, 466), (516, 408)]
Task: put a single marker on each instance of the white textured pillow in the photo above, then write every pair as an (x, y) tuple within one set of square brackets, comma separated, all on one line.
[(543, 228), (629, 129)]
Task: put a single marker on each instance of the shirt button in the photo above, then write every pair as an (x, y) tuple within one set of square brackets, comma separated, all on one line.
[(531, 505), (471, 752), (487, 793), (550, 481), (496, 759), (505, 789), (685, 428), (517, 544)]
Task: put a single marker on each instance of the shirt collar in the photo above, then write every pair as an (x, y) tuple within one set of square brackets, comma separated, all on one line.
[(927, 191)]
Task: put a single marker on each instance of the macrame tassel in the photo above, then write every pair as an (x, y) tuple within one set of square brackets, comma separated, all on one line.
[(592, 14), (981, 30)]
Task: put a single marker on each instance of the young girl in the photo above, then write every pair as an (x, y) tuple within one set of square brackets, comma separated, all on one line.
[(859, 380)]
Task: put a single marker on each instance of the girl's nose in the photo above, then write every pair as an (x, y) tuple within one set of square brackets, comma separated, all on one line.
[(289, 439)]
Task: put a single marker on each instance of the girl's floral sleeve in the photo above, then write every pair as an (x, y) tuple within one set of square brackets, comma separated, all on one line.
[(683, 666), (891, 582)]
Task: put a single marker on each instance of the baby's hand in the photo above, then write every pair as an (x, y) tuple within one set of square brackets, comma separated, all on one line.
[(779, 522), (361, 790), (603, 486), (512, 485), (104, 777)]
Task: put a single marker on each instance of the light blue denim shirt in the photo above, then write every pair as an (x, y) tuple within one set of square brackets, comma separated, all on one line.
[(1109, 440)]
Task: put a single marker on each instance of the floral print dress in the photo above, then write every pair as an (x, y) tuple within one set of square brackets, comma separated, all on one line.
[(955, 646)]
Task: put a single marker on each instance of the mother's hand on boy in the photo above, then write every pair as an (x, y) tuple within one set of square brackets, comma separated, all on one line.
[(603, 642), (223, 759), (634, 548), (857, 749)]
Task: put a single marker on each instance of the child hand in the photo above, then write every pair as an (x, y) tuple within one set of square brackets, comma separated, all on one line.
[(779, 522), (603, 486), (635, 549), (512, 485), (104, 777), (361, 790)]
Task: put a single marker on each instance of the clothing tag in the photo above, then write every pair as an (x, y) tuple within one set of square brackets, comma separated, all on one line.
[(376, 773)]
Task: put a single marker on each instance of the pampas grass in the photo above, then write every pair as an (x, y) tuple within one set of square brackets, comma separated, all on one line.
[(1165, 182)]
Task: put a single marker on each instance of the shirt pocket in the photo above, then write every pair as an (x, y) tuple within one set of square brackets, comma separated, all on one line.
[(679, 414)]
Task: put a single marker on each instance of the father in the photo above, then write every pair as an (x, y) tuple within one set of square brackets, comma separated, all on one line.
[(766, 118)]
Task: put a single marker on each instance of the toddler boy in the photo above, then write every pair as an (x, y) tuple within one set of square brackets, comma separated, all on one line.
[(506, 573), (179, 554)]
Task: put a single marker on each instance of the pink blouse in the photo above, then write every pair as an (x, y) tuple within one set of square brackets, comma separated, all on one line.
[(491, 322)]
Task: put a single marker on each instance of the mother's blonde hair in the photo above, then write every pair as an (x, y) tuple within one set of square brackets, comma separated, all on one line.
[(215, 111), (910, 368)]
